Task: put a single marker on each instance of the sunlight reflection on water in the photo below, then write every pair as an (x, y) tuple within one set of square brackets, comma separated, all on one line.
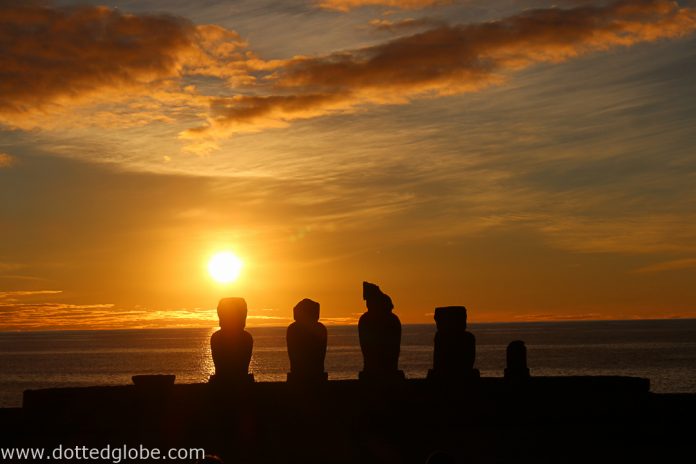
[(664, 351)]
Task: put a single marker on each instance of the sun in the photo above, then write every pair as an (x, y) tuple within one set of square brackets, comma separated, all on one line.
[(225, 267)]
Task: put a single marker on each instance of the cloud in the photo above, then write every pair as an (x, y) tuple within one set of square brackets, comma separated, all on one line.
[(551, 317), (248, 112), (6, 160), (347, 5), (269, 319), (349, 320), (565, 317), (623, 233), (16, 313), (388, 25), (85, 66), (16, 316), (12, 295), (61, 316), (441, 61), (673, 265), (55, 59), (4, 266)]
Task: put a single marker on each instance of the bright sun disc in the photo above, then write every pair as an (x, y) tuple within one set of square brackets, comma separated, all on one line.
[(225, 267)]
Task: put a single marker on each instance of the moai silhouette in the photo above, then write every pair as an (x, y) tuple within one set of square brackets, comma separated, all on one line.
[(516, 355), (380, 336), (455, 347), (231, 345), (306, 339)]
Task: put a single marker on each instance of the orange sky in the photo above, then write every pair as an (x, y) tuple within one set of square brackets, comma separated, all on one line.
[(531, 160)]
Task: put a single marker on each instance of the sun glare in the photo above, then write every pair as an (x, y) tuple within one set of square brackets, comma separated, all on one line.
[(225, 267)]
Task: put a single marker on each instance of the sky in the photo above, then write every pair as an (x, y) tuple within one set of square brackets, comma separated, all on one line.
[(530, 160)]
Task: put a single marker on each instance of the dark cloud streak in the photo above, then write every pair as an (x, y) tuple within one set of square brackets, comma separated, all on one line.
[(347, 5), (51, 53), (55, 58), (443, 61)]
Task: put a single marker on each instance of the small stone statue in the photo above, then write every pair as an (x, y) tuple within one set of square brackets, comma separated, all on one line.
[(231, 345), (516, 355), (306, 339), (380, 336), (455, 347)]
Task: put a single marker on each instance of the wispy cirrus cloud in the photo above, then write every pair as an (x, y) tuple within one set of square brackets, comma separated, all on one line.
[(34, 310), (672, 265), (13, 294), (6, 160), (603, 316), (623, 233), (20, 310), (441, 61), (347, 5), (30, 310), (16, 316), (97, 65), (407, 24), (63, 316)]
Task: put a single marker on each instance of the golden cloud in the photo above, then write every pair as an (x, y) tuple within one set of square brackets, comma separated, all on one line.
[(16, 316), (442, 61), (347, 5), (50, 315), (58, 58), (6, 160), (63, 316), (95, 65), (388, 25), (673, 265), (26, 293)]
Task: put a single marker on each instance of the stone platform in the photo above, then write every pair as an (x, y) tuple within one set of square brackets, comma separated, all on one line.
[(542, 419)]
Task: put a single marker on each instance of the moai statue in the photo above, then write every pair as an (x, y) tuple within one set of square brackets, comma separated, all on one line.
[(231, 345), (306, 339), (380, 336), (516, 355), (455, 347)]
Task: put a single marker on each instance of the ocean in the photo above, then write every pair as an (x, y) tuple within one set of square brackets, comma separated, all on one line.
[(662, 350)]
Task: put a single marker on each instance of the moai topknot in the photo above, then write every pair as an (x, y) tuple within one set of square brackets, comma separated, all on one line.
[(516, 355), (231, 345), (455, 347), (380, 336), (306, 339)]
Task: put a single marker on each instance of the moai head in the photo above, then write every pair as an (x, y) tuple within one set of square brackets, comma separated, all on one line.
[(376, 300), (450, 318), (232, 313), (306, 311), (516, 354)]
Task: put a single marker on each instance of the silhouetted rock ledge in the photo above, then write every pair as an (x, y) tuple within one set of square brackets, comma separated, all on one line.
[(544, 419)]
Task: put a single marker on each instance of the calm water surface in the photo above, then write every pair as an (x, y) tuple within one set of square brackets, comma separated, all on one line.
[(664, 351)]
